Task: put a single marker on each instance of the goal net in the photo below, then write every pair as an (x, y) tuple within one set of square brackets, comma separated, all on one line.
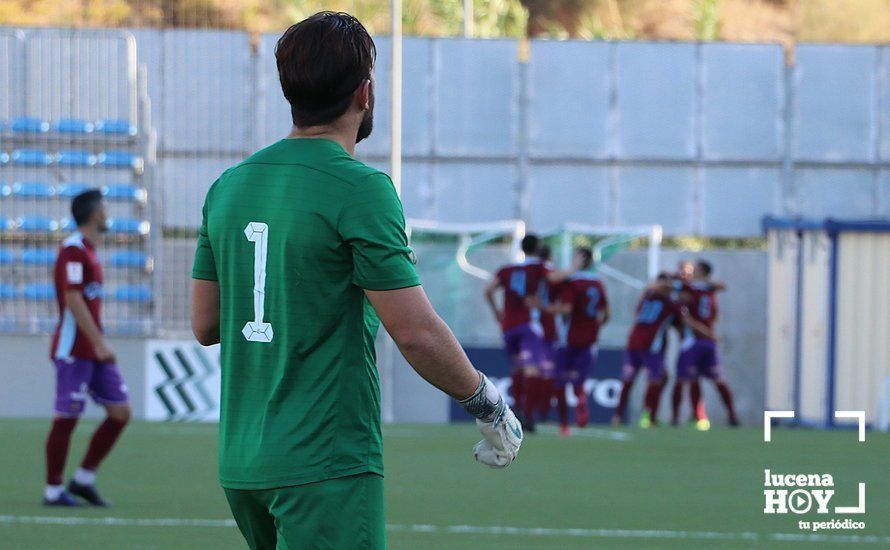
[(455, 262)]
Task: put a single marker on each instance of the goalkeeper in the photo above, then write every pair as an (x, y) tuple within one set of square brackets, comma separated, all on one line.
[(301, 254)]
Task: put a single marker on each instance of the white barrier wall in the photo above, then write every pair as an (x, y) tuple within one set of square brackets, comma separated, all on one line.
[(813, 368), (838, 357), (783, 250), (863, 323)]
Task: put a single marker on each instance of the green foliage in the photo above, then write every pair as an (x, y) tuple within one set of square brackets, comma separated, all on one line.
[(707, 20)]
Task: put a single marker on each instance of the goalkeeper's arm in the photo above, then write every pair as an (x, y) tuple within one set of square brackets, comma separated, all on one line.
[(433, 351)]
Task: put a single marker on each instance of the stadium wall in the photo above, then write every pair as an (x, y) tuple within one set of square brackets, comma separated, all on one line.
[(739, 135), (701, 138)]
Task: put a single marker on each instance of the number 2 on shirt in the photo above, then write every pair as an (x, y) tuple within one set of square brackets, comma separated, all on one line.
[(257, 330)]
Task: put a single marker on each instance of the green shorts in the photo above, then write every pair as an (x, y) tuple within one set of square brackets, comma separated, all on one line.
[(345, 512)]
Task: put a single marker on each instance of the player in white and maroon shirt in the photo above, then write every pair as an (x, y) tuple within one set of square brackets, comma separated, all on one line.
[(85, 364)]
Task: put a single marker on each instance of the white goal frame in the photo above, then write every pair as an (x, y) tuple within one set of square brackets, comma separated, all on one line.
[(470, 234), (654, 233)]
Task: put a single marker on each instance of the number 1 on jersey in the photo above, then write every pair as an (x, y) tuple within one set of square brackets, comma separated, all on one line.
[(257, 330)]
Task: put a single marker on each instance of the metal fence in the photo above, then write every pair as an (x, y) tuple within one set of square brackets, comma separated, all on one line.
[(700, 138)]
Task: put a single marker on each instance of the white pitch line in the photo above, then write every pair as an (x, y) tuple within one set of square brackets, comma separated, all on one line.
[(470, 530), (123, 522), (598, 433)]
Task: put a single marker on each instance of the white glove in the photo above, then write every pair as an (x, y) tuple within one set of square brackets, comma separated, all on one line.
[(500, 429)]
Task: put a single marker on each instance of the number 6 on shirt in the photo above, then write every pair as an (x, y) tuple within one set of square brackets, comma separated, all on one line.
[(257, 330)]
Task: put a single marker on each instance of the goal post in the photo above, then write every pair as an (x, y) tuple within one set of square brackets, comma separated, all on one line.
[(470, 237), (605, 241)]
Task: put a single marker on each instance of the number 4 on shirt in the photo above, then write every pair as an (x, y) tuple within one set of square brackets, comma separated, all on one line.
[(257, 330)]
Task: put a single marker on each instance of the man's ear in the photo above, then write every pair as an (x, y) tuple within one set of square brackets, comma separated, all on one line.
[(363, 95)]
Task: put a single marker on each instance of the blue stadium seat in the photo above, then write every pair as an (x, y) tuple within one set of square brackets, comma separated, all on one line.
[(33, 190), (73, 126), (124, 192), (31, 157), (39, 291), (83, 159), (71, 190), (5, 224), (124, 226), (39, 256), (116, 127), (133, 294), (29, 125), (8, 292), (37, 224), (6, 256), (4, 157), (119, 159), (66, 224), (5, 190), (127, 258)]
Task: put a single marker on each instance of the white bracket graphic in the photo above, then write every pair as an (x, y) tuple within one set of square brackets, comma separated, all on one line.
[(860, 509), (859, 416), (767, 422)]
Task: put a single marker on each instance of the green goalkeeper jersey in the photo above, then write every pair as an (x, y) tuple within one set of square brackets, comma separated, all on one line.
[(293, 235)]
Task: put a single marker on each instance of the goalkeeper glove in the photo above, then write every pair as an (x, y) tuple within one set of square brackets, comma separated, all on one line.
[(501, 431)]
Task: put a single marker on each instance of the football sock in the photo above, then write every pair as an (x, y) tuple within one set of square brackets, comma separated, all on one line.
[(103, 440), (562, 408), (658, 389), (698, 406), (85, 477), (532, 396), (518, 388), (57, 444), (653, 396), (726, 395), (582, 413), (621, 409), (676, 401), (52, 492), (545, 397)]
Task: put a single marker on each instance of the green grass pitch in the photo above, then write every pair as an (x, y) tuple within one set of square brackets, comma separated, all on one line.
[(628, 488)]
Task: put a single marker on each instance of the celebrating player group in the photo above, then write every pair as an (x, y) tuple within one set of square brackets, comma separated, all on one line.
[(551, 321)]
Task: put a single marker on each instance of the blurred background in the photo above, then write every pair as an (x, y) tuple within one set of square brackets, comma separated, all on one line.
[(669, 127)]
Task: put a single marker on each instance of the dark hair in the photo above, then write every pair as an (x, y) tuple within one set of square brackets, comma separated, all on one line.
[(321, 62), (83, 205), (530, 244), (664, 276), (544, 252), (705, 266), (587, 255)]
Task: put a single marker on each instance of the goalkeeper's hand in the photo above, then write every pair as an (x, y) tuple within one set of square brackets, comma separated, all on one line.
[(501, 431)]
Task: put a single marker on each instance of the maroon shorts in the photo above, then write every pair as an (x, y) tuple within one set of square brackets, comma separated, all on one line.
[(78, 378)]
